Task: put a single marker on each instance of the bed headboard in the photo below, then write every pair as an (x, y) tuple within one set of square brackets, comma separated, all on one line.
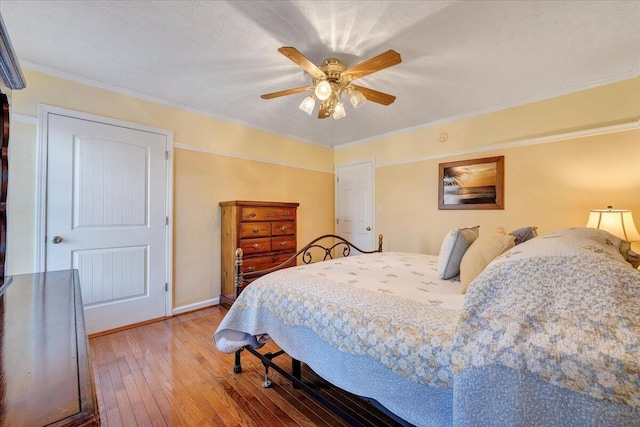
[(328, 246)]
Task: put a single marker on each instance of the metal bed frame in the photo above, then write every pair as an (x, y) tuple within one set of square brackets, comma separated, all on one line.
[(336, 245)]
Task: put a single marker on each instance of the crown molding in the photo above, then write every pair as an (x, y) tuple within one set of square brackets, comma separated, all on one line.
[(154, 99), (9, 66), (522, 143), (250, 158)]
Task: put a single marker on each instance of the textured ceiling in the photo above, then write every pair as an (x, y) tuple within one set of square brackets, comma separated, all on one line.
[(218, 57)]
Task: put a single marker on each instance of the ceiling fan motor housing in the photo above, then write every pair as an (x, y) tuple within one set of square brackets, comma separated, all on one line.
[(334, 71)]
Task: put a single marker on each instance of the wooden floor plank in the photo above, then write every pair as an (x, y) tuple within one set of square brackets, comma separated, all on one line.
[(138, 384), (169, 373), (124, 405)]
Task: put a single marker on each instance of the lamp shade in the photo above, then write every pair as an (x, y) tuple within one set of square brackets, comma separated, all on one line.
[(618, 222), (357, 98), (307, 104), (338, 111)]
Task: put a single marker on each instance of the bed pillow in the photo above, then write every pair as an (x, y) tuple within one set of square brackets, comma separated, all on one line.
[(484, 250), (523, 234), (453, 247)]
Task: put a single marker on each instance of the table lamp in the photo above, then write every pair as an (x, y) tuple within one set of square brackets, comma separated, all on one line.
[(618, 222)]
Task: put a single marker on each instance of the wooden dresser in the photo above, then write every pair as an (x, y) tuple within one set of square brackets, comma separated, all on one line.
[(265, 231), (46, 376)]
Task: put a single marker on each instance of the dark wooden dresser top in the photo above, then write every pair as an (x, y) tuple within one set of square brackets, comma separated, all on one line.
[(45, 376)]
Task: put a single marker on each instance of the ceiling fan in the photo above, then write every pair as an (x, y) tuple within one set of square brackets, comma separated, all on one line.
[(333, 78)]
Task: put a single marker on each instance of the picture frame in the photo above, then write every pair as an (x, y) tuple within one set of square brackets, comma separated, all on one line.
[(471, 184)]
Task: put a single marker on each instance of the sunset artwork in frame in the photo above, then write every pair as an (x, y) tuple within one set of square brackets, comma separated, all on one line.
[(472, 184)]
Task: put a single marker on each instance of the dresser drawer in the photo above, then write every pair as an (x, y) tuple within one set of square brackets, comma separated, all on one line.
[(266, 213), (263, 262), (285, 243), (254, 229), (255, 246), (281, 228), (283, 213)]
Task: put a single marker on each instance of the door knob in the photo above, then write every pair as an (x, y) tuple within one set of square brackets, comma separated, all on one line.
[(56, 239), (368, 228)]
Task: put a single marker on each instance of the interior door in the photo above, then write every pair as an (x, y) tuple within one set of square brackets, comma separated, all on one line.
[(106, 216), (355, 204)]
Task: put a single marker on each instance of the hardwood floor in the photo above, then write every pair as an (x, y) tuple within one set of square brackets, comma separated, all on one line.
[(169, 373)]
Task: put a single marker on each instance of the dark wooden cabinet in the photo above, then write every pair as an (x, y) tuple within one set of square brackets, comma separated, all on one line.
[(265, 231), (45, 376)]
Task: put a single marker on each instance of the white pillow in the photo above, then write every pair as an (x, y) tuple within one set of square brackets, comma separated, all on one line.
[(483, 250), (454, 245)]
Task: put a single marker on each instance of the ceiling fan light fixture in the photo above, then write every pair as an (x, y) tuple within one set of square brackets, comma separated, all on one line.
[(338, 111), (308, 104), (357, 98), (333, 78), (323, 90)]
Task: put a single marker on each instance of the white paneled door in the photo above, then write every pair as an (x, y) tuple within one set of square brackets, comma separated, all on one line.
[(355, 204), (106, 216)]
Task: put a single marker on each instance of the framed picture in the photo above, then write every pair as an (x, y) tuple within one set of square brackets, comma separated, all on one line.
[(472, 184)]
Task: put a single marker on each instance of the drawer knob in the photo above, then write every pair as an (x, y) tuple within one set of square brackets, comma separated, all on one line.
[(252, 214), (283, 228), (287, 213), (255, 246), (251, 268), (255, 229), (283, 243)]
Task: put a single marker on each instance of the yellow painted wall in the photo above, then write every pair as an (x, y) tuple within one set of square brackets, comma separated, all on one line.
[(550, 185), (21, 198), (201, 179), (602, 106)]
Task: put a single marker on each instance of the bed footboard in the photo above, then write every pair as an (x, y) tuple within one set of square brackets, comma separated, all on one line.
[(334, 244)]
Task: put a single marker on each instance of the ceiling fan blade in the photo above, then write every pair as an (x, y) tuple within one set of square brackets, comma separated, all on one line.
[(286, 92), (294, 55), (324, 112), (375, 96), (384, 60)]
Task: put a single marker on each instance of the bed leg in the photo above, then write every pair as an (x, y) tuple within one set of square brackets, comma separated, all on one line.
[(296, 371), (237, 367), (266, 383)]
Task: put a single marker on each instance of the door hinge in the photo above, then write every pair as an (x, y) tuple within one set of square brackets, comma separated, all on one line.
[(337, 179), (166, 155), (166, 287), (338, 221), (166, 220)]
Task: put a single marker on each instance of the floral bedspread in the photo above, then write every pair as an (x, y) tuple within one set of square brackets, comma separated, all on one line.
[(564, 307), (548, 334), (388, 306)]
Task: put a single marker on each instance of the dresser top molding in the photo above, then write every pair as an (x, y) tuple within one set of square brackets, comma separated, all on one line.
[(259, 204)]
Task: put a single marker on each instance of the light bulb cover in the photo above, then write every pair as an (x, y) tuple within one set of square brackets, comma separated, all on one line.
[(323, 90), (338, 111), (308, 104), (357, 98)]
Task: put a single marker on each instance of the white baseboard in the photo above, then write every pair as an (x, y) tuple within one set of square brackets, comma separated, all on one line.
[(196, 306)]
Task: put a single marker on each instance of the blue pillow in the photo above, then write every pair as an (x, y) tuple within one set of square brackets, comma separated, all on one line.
[(454, 245), (523, 234)]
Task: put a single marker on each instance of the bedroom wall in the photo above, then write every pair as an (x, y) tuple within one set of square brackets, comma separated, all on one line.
[(550, 181), (214, 161)]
